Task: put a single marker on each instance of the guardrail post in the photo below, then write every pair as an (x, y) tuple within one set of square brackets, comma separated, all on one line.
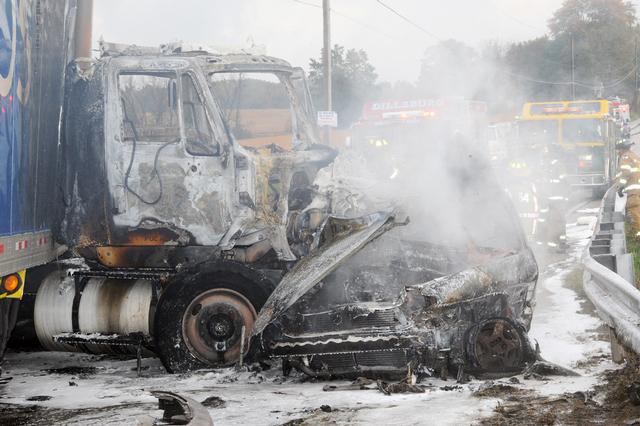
[(624, 267), (617, 349)]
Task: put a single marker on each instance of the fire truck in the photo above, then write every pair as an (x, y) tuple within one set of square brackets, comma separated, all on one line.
[(393, 130), (578, 138), (555, 151)]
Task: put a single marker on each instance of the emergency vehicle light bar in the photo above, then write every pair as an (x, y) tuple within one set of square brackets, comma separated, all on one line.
[(560, 110), (408, 114)]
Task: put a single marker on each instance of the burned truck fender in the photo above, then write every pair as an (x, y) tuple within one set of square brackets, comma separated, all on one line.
[(205, 312)]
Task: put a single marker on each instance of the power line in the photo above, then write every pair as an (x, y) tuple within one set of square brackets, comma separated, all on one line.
[(352, 19), (623, 79), (425, 31), (395, 12), (364, 24), (514, 19), (308, 3), (534, 80), (569, 83)]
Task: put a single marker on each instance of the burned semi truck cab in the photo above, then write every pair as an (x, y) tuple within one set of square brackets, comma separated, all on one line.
[(147, 161), (177, 233)]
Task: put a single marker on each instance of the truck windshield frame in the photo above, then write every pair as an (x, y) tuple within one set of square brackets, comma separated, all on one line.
[(252, 102), (148, 112), (166, 107)]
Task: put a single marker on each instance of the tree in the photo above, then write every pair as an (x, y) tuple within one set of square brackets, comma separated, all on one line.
[(453, 69), (448, 70), (533, 64), (353, 83), (399, 90), (603, 34), (581, 16)]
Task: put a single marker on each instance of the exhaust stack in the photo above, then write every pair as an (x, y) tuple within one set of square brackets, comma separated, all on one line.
[(83, 28)]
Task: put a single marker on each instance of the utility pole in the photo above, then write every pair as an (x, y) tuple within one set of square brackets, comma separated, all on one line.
[(573, 72), (326, 62), (635, 67)]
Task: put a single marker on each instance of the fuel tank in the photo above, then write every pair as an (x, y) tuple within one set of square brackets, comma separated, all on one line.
[(65, 306)]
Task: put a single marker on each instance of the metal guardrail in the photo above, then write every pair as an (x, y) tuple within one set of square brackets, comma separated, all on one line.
[(608, 277)]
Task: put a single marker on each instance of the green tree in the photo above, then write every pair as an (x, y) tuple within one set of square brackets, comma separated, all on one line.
[(353, 83), (603, 34), (582, 16)]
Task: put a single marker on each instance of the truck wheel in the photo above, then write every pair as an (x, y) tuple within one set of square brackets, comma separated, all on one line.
[(199, 319)]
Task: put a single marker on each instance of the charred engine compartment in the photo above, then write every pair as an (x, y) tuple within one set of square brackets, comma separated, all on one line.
[(400, 306)]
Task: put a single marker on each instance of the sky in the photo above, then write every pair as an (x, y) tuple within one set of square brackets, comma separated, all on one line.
[(292, 29)]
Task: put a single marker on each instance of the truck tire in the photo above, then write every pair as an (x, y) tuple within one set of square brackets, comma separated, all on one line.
[(199, 317)]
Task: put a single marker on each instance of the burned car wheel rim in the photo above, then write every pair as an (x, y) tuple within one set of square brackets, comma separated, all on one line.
[(498, 346), (212, 326)]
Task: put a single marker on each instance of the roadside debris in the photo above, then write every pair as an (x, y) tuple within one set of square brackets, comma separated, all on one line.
[(214, 402), (39, 398), (451, 388), (178, 410), (399, 387), (491, 389), (363, 383), (544, 368), (73, 371)]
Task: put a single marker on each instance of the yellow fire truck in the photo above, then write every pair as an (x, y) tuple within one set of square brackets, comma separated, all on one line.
[(580, 136)]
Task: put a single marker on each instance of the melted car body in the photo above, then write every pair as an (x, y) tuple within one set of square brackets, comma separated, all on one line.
[(449, 291)]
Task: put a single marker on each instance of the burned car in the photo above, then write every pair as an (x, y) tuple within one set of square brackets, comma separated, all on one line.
[(446, 287)]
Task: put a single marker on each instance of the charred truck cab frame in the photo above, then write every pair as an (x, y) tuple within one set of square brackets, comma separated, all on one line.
[(184, 232)]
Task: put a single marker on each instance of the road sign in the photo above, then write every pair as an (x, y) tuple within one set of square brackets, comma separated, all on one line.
[(327, 119)]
